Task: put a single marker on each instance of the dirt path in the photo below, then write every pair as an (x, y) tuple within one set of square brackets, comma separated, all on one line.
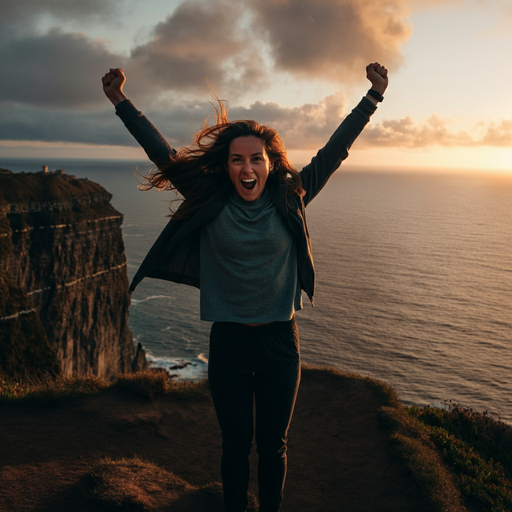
[(339, 458)]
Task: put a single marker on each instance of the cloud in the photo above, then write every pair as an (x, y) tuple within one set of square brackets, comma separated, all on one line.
[(332, 39), (199, 41), (24, 122), (305, 127), (23, 13), (239, 47), (54, 70), (498, 134), (435, 131)]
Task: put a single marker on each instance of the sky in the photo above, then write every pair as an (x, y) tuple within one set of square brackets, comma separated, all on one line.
[(295, 65)]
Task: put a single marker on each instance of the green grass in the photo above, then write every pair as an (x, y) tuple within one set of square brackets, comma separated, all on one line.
[(477, 448)]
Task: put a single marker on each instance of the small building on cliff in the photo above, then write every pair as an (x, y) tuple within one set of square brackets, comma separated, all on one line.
[(63, 281)]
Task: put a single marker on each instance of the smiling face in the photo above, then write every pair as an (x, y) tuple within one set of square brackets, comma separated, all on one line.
[(248, 166)]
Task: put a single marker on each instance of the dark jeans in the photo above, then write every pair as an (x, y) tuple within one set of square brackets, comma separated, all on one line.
[(261, 362)]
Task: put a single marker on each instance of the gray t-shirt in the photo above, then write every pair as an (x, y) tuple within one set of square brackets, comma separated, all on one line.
[(249, 264)]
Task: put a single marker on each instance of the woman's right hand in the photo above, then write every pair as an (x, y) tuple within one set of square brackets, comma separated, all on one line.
[(113, 82)]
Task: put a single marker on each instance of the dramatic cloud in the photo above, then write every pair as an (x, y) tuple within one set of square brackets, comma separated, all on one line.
[(201, 40), (332, 39), (304, 127), (22, 122), (435, 131), (51, 88), (54, 70), (238, 47), (328, 40)]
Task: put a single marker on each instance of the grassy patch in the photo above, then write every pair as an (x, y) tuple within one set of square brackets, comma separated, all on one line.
[(135, 484), (25, 187), (152, 382), (478, 448), (49, 389), (410, 442), (147, 384)]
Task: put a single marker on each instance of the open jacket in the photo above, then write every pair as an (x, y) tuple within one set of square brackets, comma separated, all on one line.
[(175, 254)]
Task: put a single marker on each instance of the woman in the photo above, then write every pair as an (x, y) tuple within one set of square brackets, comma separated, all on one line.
[(241, 236)]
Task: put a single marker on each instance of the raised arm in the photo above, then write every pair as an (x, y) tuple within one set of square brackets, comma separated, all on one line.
[(315, 175), (151, 140)]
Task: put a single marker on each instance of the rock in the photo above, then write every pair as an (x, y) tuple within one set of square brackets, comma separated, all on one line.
[(61, 245), (140, 362)]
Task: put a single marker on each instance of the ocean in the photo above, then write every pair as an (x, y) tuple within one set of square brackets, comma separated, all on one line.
[(414, 281)]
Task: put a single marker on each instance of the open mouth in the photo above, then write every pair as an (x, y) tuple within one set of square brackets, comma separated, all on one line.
[(248, 183)]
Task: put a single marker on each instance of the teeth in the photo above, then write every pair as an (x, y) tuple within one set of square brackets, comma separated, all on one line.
[(248, 183)]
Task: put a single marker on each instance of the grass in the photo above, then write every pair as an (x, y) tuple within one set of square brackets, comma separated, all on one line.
[(135, 484), (410, 442), (460, 459), (477, 448), (24, 187), (147, 384)]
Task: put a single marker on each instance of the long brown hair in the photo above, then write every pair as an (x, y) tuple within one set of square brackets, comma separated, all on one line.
[(199, 172)]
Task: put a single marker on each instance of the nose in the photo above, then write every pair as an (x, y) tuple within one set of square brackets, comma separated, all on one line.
[(247, 166)]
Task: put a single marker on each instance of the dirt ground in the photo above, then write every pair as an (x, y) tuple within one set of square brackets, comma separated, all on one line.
[(338, 456)]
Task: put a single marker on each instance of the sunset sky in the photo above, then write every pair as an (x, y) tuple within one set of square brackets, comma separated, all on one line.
[(296, 65)]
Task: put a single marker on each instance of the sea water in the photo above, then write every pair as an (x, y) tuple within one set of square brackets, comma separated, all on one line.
[(414, 281)]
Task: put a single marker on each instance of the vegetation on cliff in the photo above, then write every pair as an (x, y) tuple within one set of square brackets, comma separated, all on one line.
[(50, 199), (478, 449), (33, 187)]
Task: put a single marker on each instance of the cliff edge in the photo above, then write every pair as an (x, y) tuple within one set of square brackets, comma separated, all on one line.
[(64, 305)]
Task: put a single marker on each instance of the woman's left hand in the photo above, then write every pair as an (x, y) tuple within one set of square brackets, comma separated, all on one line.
[(378, 76)]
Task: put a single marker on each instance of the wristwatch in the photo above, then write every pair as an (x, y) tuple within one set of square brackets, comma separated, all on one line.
[(377, 95)]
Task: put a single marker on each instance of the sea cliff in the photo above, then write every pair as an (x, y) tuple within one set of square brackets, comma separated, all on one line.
[(63, 281)]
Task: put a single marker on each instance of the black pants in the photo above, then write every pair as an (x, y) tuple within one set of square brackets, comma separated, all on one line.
[(261, 362)]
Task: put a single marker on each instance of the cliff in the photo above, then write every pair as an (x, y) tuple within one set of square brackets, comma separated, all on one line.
[(62, 277)]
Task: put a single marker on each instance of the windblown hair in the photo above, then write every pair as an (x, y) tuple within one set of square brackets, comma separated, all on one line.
[(199, 172)]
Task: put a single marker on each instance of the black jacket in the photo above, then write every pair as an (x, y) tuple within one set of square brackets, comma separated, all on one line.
[(175, 254)]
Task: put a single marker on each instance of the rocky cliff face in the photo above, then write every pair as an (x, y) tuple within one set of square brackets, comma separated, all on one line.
[(62, 258)]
